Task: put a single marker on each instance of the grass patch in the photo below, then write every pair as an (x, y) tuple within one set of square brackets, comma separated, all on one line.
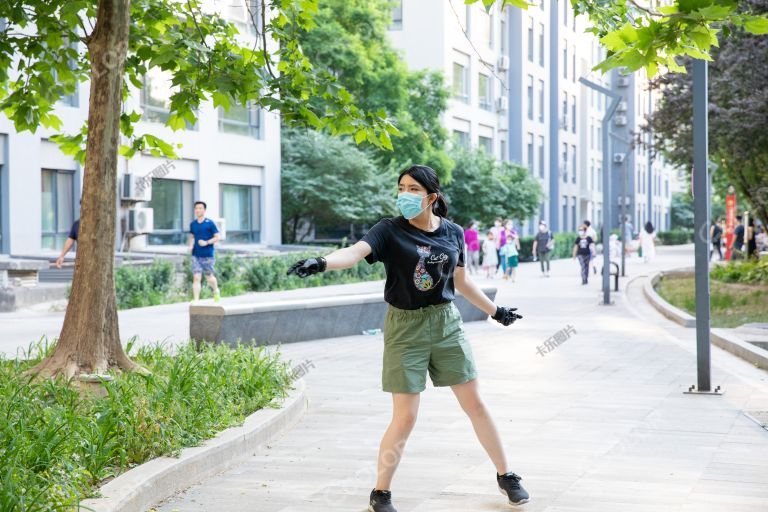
[(729, 307), (57, 445)]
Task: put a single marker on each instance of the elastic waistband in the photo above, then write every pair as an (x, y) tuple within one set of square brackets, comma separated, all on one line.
[(426, 310)]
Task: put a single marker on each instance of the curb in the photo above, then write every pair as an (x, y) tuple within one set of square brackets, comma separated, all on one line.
[(146, 485), (677, 315), (739, 347)]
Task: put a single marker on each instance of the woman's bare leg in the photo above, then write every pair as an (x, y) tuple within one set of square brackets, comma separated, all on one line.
[(405, 407), (485, 428)]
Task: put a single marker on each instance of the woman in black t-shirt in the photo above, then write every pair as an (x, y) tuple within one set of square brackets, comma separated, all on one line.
[(423, 255), (584, 250)]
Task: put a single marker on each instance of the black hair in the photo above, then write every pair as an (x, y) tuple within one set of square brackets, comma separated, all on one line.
[(648, 227), (427, 177), (738, 218), (587, 223), (205, 206)]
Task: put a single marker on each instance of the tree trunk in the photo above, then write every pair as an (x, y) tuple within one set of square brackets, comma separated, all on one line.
[(90, 341)]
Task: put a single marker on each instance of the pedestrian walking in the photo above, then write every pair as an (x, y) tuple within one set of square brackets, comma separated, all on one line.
[(716, 235), (593, 234), (423, 253), (629, 229), (490, 256), (497, 229), (737, 246), (69, 243), (203, 234), (472, 242), (583, 250), (511, 252), (543, 244), (751, 241), (647, 235)]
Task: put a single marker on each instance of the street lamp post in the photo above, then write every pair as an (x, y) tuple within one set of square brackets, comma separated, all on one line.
[(606, 170)]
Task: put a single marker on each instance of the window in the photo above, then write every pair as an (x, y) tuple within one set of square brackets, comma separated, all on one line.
[(241, 120), (530, 153), (564, 118), (461, 138), (541, 156), (397, 16), (243, 14), (591, 184), (573, 213), (504, 37), (530, 39), (156, 97), (530, 97), (565, 13), (541, 4), (573, 163), (503, 150), (565, 62), (460, 83), (565, 163), (599, 176), (600, 138), (541, 100), (573, 64), (241, 207), (591, 133), (486, 144), (463, 14), (172, 205), (58, 207), (573, 114), (541, 44), (484, 91), (71, 99), (485, 23), (564, 223)]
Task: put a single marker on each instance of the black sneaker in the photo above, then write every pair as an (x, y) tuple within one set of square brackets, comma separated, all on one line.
[(381, 501), (509, 485)]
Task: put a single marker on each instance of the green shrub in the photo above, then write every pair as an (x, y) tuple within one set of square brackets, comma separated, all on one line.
[(747, 272), (675, 236), (138, 286), (57, 446), (269, 274)]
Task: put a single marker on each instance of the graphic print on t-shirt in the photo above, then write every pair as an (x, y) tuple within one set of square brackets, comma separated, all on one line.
[(422, 279)]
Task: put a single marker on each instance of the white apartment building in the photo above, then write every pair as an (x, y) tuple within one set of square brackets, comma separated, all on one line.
[(230, 160), (553, 122), (470, 46)]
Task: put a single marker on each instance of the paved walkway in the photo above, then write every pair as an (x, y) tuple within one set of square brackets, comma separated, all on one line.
[(599, 424)]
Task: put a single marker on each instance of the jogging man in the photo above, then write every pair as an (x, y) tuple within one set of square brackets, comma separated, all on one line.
[(203, 233)]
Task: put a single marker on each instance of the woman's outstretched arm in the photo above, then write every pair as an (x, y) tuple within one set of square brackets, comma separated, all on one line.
[(348, 256), (469, 289)]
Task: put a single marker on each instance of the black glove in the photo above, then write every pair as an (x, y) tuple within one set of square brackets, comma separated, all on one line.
[(505, 316), (304, 268)]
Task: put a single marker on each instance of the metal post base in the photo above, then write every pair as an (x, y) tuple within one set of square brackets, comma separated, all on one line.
[(693, 391)]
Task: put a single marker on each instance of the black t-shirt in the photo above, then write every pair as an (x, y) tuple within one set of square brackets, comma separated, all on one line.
[(717, 232), (739, 232), (73, 232), (583, 245), (419, 264)]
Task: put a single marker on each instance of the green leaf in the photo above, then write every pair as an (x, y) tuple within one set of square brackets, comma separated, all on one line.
[(756, 25), (360, 136)]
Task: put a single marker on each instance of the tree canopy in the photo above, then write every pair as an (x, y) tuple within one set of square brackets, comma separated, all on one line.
[(484, 188), (738, 116)]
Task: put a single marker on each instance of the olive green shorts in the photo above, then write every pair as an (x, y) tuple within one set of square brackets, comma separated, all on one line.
[(425, 339)]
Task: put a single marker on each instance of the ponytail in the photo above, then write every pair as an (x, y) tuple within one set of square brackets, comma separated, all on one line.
[(440, 206)]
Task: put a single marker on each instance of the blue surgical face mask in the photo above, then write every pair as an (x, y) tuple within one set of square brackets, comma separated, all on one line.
[(410, 204)]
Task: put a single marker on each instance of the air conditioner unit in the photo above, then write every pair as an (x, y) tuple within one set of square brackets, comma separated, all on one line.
[(140, 220), (622, 106), (502, 104), (221, 225), (618, 158), (623, 81), (136, 188), (503, 62), (620, 120)]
